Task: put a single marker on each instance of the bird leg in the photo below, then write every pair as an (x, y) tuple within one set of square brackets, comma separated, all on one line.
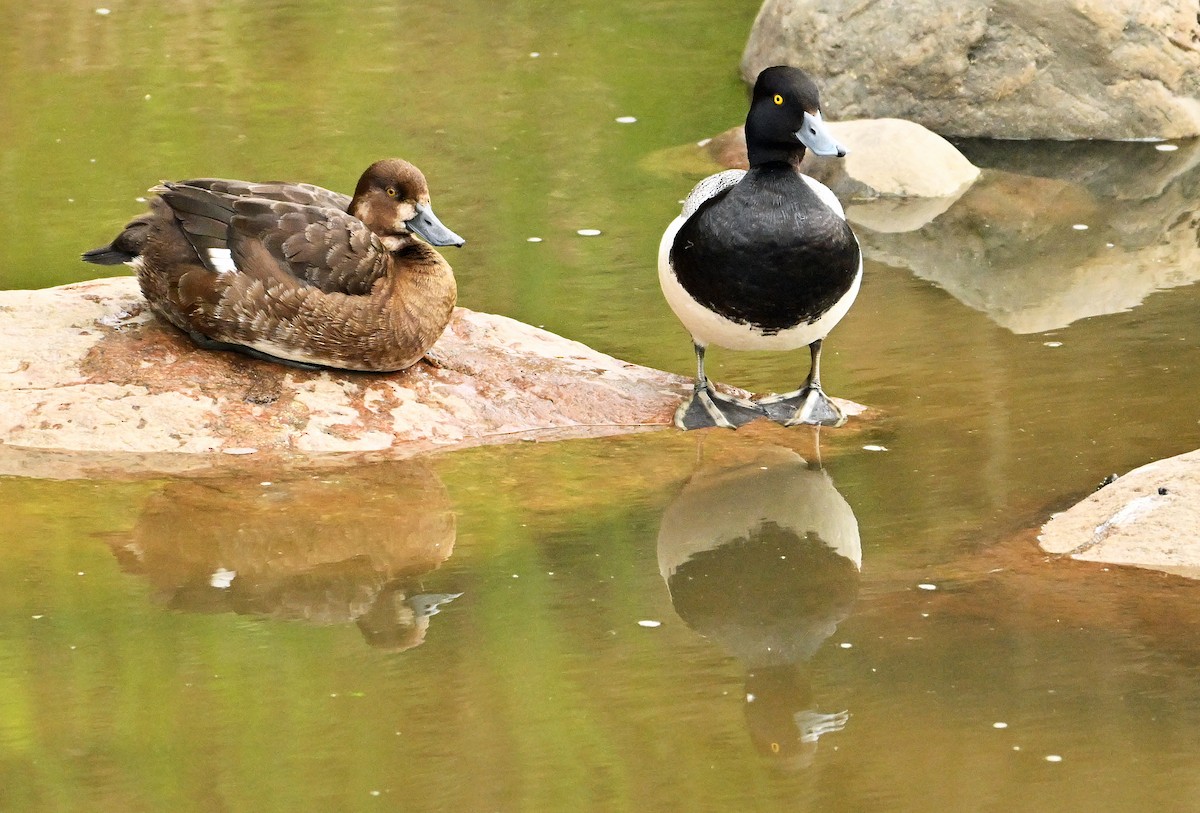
[(807, 405), (707, 407)]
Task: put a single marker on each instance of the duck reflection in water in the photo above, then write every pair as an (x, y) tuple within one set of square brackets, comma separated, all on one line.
[(763, 558), (328, 549)]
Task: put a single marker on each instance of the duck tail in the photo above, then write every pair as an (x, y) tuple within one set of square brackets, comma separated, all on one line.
[(126, 247), (106, 255)]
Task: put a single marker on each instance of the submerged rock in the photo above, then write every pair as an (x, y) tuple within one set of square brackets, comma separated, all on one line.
[(1148, 518), (1062, 69)]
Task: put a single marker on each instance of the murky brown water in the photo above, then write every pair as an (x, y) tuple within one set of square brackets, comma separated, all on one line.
[(657, 622)]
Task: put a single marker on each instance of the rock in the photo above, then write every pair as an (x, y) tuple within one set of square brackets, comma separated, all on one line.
[(1148, 518), (892, 158), (1060, 69), (86, 368), (894, 215), (887, 158), (728, 149)]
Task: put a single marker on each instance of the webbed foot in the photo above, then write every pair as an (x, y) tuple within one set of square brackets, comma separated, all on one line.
[(808, 405), (706, 407)]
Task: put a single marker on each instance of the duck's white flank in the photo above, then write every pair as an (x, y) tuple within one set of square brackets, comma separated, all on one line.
[(710, 187)]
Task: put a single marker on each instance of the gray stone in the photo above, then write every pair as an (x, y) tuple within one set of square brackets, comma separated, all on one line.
[(1059, 69), (1148, 518)]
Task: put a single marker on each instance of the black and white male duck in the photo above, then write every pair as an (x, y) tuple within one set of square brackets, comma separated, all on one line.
[(764, 259), (295, 273)]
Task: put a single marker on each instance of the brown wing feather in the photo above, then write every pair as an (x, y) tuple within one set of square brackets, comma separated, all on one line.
[(302, 193), (324, 247), (321, 246)]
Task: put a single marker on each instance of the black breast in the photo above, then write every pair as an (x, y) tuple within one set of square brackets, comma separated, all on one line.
[(767, 252)]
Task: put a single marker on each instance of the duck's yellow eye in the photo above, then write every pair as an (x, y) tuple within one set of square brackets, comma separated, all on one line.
[(778, 99), (391, 190)]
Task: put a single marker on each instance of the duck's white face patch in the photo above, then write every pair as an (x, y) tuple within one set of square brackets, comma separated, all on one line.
[(404, 212), (221, 260)]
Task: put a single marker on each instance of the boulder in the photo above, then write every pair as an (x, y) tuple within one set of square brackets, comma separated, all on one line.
[(87, 368), (1148, 518), (1059, 69), (892, 158)]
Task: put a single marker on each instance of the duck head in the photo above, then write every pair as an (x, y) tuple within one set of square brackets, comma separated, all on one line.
[(392, 198), (785, 118)]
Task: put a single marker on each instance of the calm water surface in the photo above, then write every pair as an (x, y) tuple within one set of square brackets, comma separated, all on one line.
[(657, 622)]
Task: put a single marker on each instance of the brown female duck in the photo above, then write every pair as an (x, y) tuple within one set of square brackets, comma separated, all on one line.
[(296, 273)]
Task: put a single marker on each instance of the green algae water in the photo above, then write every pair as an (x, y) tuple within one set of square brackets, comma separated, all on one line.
[(763, 620)]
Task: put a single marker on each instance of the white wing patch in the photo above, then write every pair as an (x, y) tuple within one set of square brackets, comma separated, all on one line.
[(221, 261), (709, 188)]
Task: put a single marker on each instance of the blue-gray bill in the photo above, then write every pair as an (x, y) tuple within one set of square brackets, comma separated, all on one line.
[(816, 136), (426, 224)]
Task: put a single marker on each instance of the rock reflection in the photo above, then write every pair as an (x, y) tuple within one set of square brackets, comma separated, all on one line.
[(763, 558), (1012, 247), (329, 549)]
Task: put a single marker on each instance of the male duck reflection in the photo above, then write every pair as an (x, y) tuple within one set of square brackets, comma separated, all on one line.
[(763, 558), (764, 259), (296, 273)]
